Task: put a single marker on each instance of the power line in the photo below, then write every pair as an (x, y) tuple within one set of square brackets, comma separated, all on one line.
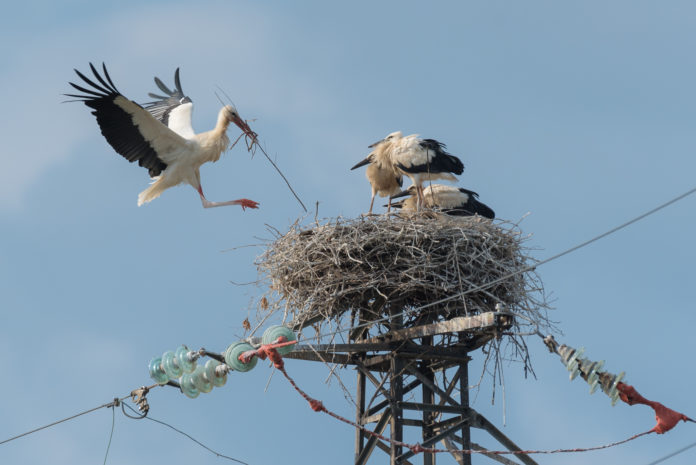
[(113, 404), (683, 449), (113, 422), (621, 226), (188, 436), (520, 271), (110, 404)]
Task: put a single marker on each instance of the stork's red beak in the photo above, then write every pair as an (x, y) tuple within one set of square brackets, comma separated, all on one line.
[(241, 124)]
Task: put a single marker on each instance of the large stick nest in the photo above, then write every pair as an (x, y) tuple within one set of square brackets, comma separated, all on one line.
[(388, 264)]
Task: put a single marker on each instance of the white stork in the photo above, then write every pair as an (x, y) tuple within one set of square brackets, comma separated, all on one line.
[(160, 137), (383, 177), (448, 199), (421, 160)]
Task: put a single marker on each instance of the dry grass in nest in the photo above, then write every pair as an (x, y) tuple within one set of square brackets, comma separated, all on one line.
[(379, 265)]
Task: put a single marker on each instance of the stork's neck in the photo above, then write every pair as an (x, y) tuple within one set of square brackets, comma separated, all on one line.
[(222, 122)]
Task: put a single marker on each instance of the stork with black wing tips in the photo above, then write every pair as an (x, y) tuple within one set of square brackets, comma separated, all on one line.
[(159, 136)]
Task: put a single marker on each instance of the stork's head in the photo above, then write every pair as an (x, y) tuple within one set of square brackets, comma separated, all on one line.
[(232, 116), (391, 137)]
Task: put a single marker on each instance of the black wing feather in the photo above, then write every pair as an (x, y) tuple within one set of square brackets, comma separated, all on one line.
[(108, 78), (92, 83), (162, 87), (432, 144), (177, 82), (468, 192), (163, 106), (116, 124), (100, 79), (472, 207), (442, 161), (82, 89)]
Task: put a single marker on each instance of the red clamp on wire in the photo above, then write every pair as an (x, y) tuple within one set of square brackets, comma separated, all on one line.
[(245, 357), (316, 405), (275, 357), (666, 417), (417, 448), (267, 350)]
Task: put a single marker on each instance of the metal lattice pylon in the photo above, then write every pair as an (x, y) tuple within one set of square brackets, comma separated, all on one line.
[(393, 361)]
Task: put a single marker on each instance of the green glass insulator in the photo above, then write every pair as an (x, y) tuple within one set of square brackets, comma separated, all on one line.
[(157, 372), (184, 362), (211, 372), (232, 356), (171, 365), (201, 381), (188, 387), (272, 334)]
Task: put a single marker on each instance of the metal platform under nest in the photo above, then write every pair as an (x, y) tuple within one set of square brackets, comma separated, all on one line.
[(395, 364)]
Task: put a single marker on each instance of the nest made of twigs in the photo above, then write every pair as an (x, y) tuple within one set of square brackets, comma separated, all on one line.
[(383, 264)]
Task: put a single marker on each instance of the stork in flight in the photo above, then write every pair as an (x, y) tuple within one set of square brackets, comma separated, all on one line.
[(382, 175), (421, 160), (448, 199), (160, 136)]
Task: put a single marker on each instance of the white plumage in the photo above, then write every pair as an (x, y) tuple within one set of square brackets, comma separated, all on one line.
[(160, 136)]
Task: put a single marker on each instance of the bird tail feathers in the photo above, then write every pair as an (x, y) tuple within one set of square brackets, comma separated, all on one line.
[(151, 193)]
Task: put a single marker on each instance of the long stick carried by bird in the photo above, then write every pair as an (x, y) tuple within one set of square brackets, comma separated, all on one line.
[(252, 142)]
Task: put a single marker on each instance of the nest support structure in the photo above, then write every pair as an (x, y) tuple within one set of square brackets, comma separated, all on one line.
[(404, 300)]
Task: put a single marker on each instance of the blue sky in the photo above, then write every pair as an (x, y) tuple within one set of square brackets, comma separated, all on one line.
[(579, 114)]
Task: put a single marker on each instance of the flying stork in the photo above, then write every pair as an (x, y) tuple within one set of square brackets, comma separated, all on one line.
[(448, 199), (382, 175), (421, 160), (160, 136)]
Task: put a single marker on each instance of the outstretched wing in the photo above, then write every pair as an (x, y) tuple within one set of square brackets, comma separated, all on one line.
[(130, 129), (173, 109)]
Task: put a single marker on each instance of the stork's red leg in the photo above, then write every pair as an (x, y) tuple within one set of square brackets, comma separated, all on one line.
[(419, 200), (244, 203)]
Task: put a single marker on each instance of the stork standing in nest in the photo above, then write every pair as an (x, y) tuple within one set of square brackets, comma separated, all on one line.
[(160, 136), (421, 160), (452, 200), (381, 173)]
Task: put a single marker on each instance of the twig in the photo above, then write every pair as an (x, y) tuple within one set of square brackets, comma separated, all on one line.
[(256, 143)]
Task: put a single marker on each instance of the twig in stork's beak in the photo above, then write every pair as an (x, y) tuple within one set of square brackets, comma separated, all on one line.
[(250, 137), (241, 124), (235, 141)]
